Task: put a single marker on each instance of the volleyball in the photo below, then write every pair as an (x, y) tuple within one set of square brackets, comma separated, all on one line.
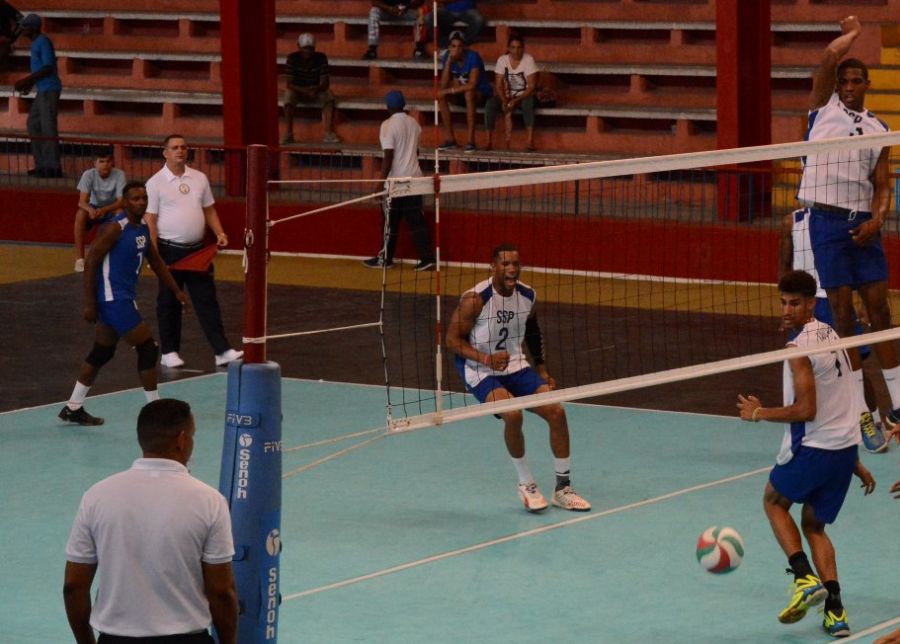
[(720, 550)]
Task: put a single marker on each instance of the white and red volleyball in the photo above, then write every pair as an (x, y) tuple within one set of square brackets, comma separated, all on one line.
[(720, 550)]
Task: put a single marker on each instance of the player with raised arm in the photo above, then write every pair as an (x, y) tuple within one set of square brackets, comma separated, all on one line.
[(111, 273), (818, 457), (486, 333), (848, 195)]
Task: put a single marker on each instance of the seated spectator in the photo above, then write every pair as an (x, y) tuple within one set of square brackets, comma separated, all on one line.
[(515, 79), (308, 83), (464, 82), (451, 12), (9, 30), (395, 11), (99, 198)]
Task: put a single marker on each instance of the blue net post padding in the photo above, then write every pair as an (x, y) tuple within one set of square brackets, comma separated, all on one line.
[(250, 480)]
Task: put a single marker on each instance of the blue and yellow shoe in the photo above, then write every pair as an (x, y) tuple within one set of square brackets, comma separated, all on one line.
[(807, 592), (836, 625), (872, 436)]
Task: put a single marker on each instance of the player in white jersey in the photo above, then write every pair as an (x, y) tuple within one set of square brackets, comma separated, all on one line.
[(797, 254), (486, 332), (818, 454), (848, 196)]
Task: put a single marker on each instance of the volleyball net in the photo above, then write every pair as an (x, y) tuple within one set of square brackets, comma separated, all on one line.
[(647, 271)]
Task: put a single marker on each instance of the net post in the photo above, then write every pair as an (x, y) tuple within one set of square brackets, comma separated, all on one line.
[(250, 474), (256, 246)]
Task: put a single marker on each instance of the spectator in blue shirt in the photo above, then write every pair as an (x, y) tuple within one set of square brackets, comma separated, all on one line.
[(42, 117), (452, 11), (464, 82)]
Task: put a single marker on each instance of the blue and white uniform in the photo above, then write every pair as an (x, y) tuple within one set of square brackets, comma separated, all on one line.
[(118, 274), (500, 327), (838, 189), (817, 458)]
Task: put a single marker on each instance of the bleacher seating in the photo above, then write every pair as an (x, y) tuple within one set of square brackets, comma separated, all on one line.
[(160, 61)]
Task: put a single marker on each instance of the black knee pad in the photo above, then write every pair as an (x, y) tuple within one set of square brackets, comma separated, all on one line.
[(100, 355), (147, 353)]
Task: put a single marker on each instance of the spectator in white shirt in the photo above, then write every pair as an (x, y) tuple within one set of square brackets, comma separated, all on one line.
[(400, 141), (515, 80)]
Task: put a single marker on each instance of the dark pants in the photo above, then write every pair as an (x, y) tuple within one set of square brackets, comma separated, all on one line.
[(202, 288), (42, 128), (409, 208), (202, 637)]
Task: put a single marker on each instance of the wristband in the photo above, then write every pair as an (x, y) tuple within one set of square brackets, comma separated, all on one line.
[(485, 359), (755, 415)]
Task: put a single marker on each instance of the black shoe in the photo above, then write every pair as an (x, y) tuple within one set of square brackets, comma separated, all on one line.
[(79, 416), (377, 262), (419, 53), (371, 53), (424, 265)]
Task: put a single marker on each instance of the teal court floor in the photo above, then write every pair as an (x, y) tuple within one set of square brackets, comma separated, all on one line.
[(420, 537)]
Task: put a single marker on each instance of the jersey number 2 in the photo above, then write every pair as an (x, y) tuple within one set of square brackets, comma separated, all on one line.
[(504, 333)]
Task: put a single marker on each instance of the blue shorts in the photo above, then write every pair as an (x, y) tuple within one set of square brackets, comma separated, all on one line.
[(819, 477), (121, 315), (824, 314), (840, 262), (523, 382)]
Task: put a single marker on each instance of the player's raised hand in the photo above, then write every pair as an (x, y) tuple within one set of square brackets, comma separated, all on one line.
[(850, 24)]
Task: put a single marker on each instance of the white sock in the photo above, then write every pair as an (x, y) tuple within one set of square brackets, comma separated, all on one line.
[(562, 465), (892, 380), (79, 393), (876, 416), (151, 395), (522, 470)]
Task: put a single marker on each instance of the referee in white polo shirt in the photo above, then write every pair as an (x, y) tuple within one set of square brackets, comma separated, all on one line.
[(161, 542), (180, 207)]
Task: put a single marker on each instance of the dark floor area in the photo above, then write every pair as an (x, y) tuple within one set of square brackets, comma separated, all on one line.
[(45, 339)]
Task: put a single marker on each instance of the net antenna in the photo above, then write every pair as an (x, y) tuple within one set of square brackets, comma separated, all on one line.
[(602, 243)]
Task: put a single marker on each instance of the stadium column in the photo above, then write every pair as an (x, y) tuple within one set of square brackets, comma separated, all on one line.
[(743, 102), (249, 83)]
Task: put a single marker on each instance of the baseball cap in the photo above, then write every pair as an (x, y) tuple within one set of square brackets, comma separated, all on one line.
[(456, 35), (395, 100), (31, 20), (306, 40)]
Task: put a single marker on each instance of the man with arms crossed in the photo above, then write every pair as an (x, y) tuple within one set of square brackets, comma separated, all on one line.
[(818, 456), (848, 195), (486, 333), (161, 541)]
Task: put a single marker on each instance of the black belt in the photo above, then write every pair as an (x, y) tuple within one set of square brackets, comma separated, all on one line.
[(837, 210), (166, 242)]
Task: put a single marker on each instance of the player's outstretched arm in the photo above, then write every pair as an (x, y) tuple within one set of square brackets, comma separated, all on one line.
[(824, 79)]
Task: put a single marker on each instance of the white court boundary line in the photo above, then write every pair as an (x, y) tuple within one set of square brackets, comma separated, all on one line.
[(113, 393), (521, 535), (873, 629)]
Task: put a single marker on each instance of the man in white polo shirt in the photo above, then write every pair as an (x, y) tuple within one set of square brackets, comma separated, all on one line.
[(180, 207), (400, 142), (161, 541)]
